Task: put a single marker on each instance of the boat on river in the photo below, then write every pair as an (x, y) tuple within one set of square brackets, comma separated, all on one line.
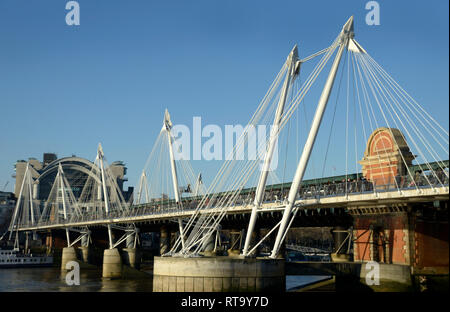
[(13, 258)]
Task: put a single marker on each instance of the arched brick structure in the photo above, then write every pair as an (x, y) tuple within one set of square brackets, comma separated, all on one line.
[(385, 156)]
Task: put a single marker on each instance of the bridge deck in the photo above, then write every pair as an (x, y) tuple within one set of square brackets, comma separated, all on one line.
[(350, 201)]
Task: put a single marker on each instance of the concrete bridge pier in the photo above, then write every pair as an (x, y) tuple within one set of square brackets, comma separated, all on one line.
[(68, 254), (131, 255), (112, 263), (218, 274)]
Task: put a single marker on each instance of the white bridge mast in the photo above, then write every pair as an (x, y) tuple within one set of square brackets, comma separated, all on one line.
[(167, 126), (344, 36), (293, 67), (63, 194), (143, 187), (100, 156)]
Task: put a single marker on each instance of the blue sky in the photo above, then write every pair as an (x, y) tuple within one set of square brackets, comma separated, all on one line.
[(65, 88)]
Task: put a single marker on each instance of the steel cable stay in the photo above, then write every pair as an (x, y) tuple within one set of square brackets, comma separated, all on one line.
[(219, 202), (227, 163), (373, 122), (377, 100), (408, 99), (395, 91), (236, 148), (358, 172), (346, 122), (332, 125), (165, 171), (218, 219), (390, 112), (411, 124), (308, 82), (389, 100), (231, 198), (24, 212), (342, 39)]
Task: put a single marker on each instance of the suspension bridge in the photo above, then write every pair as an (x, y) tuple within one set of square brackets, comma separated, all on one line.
[(395, 199)]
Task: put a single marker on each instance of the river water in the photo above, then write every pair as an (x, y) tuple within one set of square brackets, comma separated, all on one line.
[(51, 279)]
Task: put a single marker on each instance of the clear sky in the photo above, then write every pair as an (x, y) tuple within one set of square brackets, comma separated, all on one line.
[(65, 88)]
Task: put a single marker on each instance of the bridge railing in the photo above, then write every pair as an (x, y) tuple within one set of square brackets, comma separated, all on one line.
[(350, 187), (364, 186)]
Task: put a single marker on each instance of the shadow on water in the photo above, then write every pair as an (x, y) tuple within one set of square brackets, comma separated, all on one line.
[(51, 279)]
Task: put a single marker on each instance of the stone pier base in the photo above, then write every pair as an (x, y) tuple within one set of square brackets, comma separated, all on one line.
[(131, 257), (112, 263), (218, 274), (68, 254)]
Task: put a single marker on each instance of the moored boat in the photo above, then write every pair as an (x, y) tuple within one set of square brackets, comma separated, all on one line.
[(13, 258)]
